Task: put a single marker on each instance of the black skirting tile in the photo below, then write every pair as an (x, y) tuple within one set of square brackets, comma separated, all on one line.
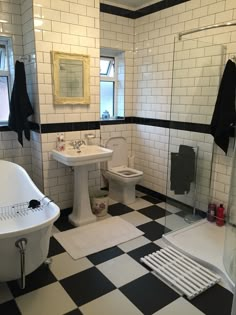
[(87, 285), (105, 255), (151, 199), (149, 294)]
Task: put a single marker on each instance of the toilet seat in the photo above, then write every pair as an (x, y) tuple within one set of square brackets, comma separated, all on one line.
[(124, 171)]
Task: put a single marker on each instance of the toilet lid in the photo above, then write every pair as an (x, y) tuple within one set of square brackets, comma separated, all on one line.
[(120, 151)]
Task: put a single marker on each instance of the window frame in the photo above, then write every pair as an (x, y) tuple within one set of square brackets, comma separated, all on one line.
[(106, 78), (7, 42)]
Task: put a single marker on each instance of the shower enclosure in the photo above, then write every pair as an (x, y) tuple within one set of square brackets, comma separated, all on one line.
[(196, 72), (230, 232)]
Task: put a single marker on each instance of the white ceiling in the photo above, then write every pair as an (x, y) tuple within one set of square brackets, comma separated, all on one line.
[(132, 4)]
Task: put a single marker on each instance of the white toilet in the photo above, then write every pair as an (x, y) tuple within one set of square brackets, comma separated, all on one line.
[(121, 178)]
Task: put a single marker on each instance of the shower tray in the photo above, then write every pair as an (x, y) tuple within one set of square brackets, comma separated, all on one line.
[(204, 242)]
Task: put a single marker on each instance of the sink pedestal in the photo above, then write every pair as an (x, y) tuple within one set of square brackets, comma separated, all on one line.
[(82, 212)]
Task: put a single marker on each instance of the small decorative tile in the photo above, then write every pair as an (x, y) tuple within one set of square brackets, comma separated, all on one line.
[(87, 285), (149, 294)]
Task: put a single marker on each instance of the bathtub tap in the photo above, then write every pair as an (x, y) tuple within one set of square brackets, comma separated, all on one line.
[(24, 230)]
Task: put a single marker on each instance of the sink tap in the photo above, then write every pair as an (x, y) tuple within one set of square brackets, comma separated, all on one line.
[(76, 144)]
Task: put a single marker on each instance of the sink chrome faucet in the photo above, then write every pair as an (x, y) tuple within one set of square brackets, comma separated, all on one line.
[(77, 144)]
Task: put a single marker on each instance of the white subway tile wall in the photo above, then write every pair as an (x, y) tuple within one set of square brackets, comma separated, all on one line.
[(148, 43)]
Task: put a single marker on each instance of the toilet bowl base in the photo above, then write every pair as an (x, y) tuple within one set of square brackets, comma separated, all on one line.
[(122, 193)]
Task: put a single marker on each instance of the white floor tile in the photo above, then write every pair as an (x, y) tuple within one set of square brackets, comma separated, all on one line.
[(169, 207), (173, 222), (139, 194), (133, 244), (51, 299), (5, 293), (111, 201), (64, 266), (179, 307), (122, 270), (160, 243), (135, 218), (114, 303), (139, 204)]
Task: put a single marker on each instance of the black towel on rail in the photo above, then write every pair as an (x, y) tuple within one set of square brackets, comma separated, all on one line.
[(20, 106), (224, 115), (182, 170)]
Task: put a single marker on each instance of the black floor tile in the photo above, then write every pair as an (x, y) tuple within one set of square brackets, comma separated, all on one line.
[(74, 312), (153, 230), (37, 279), (55, 248), (87, 285), (151, 199), (149, 294), (154, 212), (143, 251), (63, 223), (105, 255), (118, 209), (9, 308), (214, 301)]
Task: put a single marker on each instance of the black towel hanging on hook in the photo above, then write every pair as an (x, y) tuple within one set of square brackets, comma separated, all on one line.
[(20, 106), (224, 115)]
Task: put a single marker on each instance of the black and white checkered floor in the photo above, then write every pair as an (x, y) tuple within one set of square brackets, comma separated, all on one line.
[(112, 281)]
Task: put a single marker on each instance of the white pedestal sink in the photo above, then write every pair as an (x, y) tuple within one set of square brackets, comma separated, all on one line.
[(82, 212)]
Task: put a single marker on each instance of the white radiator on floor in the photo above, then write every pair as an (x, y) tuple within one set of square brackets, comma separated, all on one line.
[(187, 276)]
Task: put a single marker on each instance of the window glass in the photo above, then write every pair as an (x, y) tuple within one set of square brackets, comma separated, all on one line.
[(106, 99), (4, 96)]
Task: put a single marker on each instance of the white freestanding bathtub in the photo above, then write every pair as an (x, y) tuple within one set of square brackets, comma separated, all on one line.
[(24, 231)]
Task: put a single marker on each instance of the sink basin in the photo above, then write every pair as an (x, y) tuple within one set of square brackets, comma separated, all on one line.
[(89, 154), (82, 212)]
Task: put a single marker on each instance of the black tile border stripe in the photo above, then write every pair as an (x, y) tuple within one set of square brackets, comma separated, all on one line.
[(164, 4), (95, 125)]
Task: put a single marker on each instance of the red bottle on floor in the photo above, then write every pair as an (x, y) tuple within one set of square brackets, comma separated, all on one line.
[(220, 215)]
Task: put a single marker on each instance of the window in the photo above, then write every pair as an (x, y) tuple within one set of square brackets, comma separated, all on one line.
[(107, 87), (111, 84), (4, 80)]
